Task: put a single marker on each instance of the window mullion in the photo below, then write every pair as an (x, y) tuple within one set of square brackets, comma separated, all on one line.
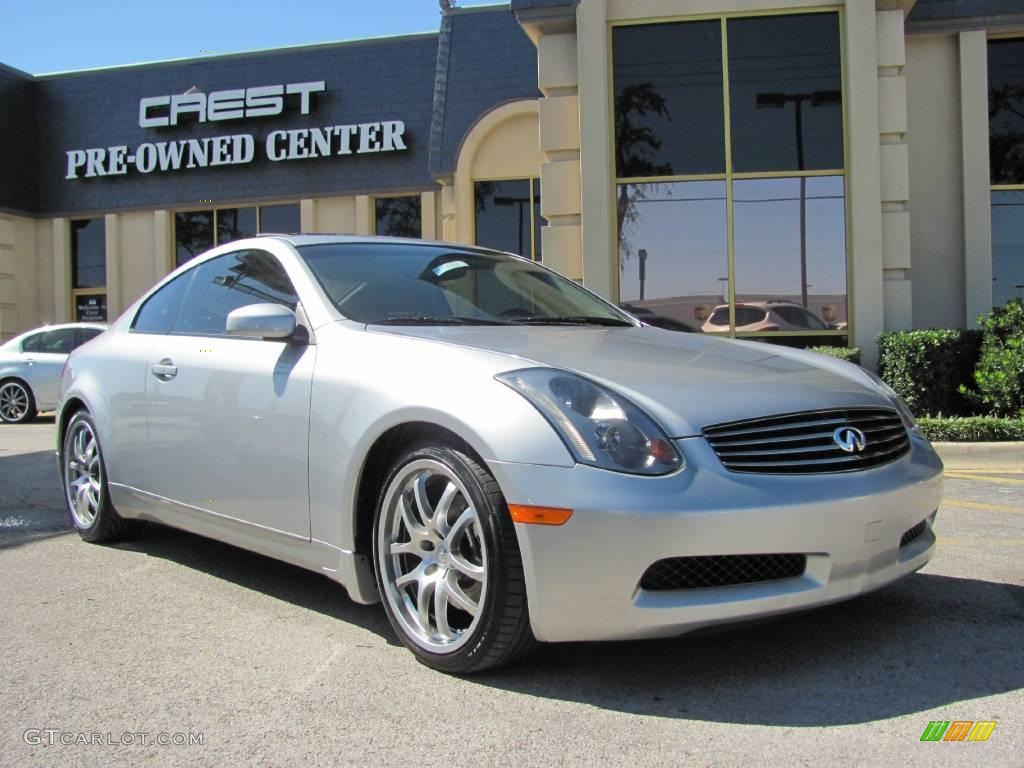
[(729, 235)]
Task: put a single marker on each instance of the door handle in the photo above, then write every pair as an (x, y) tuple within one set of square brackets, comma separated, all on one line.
[(165, 370), (29, 360)]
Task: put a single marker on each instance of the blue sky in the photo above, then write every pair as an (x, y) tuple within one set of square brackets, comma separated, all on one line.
[(58, 35)]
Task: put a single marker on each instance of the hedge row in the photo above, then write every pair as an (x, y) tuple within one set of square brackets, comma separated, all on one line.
[(972, 429), (849, 354), (930, 369)]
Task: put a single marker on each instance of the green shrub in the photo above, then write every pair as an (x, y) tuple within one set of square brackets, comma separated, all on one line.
[(849, 354), (928, 368), (999, 375), (972, 429)]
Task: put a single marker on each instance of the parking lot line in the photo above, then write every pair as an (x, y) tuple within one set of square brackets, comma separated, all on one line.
[(983, 479), (961, 504), (990, 471)]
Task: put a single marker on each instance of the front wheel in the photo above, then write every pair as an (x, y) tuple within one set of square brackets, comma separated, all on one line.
[(448, 563), (85, 483)]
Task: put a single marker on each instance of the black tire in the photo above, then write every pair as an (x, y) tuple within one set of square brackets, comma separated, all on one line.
[(26, 393), (502, 634), (106, 524)]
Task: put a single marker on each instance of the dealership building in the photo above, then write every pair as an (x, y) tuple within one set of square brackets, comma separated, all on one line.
[(777, 169)]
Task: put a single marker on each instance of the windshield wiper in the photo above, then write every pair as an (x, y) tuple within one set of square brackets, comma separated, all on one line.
[(435, 320), (574, 320)]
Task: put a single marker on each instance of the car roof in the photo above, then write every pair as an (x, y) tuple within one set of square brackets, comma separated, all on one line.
[(58, 326), (327, 239)]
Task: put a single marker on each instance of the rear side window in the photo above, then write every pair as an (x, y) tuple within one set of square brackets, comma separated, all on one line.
[(720, 316), (792, 315), (230, 282), (31, 344), (158, 312), (749, 315)]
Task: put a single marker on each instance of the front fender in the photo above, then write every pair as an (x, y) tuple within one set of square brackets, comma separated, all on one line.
[(374, 388)]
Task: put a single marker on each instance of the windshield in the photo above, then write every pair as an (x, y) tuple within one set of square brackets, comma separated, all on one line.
[(408, 284)]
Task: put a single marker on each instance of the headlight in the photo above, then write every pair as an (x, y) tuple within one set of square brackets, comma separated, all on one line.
[(901, 408), (601, 428)]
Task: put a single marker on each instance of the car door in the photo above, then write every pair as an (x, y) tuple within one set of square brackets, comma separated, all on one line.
[(43, 357), (228, 418)]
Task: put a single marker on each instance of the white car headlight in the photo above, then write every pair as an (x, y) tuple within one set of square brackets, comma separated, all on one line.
[(600, 427)]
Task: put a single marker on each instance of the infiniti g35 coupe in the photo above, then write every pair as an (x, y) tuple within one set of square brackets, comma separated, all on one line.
[(495, 453)]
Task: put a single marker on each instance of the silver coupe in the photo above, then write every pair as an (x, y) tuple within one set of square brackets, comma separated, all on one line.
[(498, 455)]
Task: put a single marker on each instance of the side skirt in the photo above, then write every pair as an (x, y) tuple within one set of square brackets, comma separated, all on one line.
[(353, 571)]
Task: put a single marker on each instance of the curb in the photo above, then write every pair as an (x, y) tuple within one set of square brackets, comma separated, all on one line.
[(1009, 455)]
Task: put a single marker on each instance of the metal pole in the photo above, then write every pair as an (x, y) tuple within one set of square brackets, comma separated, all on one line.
[(799, 103), (642, 259)]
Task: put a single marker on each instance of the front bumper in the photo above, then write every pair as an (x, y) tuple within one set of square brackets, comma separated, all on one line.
[(583, 578)]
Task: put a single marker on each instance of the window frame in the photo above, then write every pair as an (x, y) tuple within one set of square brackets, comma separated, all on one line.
[(215, 211), (730, 175), (1018, 36), (535, 226)]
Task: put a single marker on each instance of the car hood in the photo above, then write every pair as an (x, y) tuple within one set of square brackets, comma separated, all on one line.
[(687, 381)]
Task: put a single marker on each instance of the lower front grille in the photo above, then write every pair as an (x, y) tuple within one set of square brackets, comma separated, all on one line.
[(912, 533), (721, 571)]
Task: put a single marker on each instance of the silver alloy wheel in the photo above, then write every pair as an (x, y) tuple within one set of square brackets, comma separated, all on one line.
[(14, 399), (83, 481), (432, 554)]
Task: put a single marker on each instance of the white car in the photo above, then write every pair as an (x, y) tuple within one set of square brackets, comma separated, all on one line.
[(767, 316), (30, 366), (494, 451)]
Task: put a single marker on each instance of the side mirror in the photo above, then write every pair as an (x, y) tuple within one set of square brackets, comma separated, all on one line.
[(261, 321)]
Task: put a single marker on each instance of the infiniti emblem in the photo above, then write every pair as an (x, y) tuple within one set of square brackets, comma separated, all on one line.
[(850, 439)]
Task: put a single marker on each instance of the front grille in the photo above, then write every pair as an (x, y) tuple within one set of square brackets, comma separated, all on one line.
[(802, 443), (912, 534), (721, 571)]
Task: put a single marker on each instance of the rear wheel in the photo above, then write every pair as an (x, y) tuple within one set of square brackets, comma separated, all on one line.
[(16, 402), (448, 563), (85, 483)]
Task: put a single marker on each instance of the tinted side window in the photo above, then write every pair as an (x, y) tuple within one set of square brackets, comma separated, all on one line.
[(31, 344), (86, 334), (227, 283), (749, 315), (57, 342), (158, 313), (792, 315)]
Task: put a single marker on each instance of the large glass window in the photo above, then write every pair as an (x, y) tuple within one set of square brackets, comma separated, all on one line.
[(1007, 245), (673, 250), (785, 93), (731, 175), (88, 253), (1006, 111), (668, 99), (398, 216), (198, 231), (1006, 158), (507, 216), (790, 246), (89, 269)]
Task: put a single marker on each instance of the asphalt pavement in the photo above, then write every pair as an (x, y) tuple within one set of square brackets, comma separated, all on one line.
[(233, 659)]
